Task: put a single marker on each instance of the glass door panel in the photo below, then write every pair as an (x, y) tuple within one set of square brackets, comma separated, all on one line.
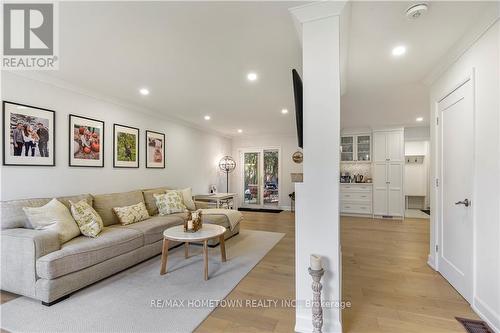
[(363, 143), (271, 172), (251, 176), (347, 148)]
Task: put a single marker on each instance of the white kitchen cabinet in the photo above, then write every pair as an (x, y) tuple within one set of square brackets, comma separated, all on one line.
[(356, 147), (356, 199), (388, 172), (388, 145)]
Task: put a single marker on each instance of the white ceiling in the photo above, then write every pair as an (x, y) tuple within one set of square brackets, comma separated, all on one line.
[(194, 57), (384, 90)]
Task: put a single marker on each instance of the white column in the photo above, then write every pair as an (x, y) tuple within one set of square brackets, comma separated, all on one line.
[(317, 198)]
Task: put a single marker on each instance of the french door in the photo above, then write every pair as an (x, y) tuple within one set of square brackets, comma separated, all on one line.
[(259, 177)]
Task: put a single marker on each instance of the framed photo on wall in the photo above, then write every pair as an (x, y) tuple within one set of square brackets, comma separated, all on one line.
[(28, 135), (125, 146), (155, 150), (86, 144)]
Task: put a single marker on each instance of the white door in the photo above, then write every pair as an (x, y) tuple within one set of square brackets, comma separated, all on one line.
[(380, 189), (379, 146), (395, 179), (456, 154)]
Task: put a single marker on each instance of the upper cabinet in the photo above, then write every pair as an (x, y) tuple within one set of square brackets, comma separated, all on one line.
[(388, 145), (355, 148)]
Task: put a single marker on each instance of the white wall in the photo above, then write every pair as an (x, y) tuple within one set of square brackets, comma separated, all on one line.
[(484, 57), (191, 155), (288, 145)]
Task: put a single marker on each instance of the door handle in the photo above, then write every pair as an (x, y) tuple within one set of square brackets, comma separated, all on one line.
[(466, 203)]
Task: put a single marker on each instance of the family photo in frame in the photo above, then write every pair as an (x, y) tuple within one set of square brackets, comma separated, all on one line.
[(28, 135), (86, 147)]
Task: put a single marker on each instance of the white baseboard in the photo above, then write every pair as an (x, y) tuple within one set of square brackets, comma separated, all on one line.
[(431, 263), (303, 324), (487, 314)]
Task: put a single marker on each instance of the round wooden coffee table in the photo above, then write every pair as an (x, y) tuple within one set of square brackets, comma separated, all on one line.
[(207, 232)]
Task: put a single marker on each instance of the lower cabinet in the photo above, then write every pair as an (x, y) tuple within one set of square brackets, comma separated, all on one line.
[(356, 199), (388, 198)]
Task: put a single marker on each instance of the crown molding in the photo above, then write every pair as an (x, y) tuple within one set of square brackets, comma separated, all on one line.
[(487, 20), (317, 10), (62, 84)]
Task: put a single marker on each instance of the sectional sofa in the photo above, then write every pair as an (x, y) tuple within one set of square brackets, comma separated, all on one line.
[(35, 264)]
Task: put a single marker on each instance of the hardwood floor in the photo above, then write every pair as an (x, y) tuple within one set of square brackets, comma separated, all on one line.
[(385, 277)]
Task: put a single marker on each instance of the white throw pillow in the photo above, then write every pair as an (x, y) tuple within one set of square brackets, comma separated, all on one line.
[(187, 198), (53, 216)]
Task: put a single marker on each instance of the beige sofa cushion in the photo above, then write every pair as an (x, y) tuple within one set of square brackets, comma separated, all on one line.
[(104, 204), (153, 228), (150, 201), (82, 252), (13, 215)]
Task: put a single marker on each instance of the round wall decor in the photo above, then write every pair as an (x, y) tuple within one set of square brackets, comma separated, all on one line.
[(298, 157)]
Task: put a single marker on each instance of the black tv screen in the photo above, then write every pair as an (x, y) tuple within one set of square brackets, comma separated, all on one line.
[(297, 93)]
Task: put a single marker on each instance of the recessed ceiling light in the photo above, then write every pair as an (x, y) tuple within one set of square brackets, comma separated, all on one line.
[(21, 107), (144, 91), (284, 111), (398, 51), (240, 130), (207, 117), (419, 119), (252, 76)]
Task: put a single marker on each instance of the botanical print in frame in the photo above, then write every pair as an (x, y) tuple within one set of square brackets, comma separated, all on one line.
[(155, 150), (28, 135), (125, 146), (86, 144)]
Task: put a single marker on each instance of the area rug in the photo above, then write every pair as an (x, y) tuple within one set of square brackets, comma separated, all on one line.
[(140, 300)]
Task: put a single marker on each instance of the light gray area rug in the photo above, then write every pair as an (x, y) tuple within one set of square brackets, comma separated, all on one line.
[(123, 302)]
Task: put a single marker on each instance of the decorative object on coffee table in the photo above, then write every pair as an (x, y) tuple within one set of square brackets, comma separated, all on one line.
[(177, 234), (316, 271), (193, 223), (227, 164)]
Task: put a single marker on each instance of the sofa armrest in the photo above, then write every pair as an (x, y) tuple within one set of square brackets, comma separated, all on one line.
[(201, 204), (20, 250)]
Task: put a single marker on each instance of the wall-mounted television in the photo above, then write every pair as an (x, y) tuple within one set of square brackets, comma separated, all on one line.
[(297, 93)]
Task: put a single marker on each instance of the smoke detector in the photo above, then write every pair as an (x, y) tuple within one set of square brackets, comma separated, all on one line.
[(416, 11)]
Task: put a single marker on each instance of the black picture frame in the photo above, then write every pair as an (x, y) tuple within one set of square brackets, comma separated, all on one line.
[(6, 142), (115, 152), (71, 138), (162, 166)]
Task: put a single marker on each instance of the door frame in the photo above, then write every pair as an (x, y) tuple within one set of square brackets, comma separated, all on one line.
[(437, 210), (241, 171)]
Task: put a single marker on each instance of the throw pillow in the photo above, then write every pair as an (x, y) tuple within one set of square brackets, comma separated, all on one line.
[(89, 222), (132, 214), (187, 198), (53, 216), (170, 203)]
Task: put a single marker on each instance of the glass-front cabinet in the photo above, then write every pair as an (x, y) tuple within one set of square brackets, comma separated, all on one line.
[(347, 148), (355, 148)]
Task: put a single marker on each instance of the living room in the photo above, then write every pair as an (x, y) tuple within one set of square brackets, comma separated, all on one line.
[(163, 173)]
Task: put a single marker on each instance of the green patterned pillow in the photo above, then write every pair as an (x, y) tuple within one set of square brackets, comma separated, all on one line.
[(170, 203), (87, 219), (132, 214)]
